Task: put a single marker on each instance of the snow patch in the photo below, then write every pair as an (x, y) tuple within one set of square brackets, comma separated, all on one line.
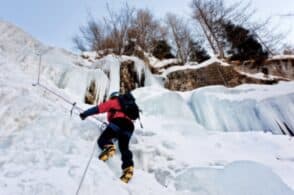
[(194, 67)]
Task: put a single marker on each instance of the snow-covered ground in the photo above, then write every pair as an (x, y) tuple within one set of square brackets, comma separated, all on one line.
[(181, 150)]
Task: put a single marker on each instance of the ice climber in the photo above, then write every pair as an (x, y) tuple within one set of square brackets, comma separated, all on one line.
[(121, 112)]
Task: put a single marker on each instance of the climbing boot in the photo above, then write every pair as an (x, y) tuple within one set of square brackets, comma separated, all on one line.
[(108, 152), (127, 174)]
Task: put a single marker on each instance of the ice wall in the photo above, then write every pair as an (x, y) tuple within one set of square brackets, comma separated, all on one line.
[(246, 108), (240, 177), (159, 102)]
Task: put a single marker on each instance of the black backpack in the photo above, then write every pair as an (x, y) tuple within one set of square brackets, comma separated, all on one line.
[(129, 106)]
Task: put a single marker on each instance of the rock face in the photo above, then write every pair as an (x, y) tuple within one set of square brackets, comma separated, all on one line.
[(213, 74), (281, 66), (129, 79), (90, 97)]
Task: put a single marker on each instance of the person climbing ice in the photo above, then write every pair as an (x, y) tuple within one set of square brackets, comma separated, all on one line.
[(121, 111)]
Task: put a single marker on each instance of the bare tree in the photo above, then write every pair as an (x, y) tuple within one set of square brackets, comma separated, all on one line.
[(145, 29), (110, 33), (79, 43), (91, 36), (118, 24), (212, 14), (117, 28), (208, 14), (180, 34), (288, 49)]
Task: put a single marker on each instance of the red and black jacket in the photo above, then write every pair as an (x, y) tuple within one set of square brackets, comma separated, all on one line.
[(112, 107)]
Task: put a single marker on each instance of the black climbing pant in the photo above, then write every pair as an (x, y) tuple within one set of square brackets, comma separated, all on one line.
[(122, 130)]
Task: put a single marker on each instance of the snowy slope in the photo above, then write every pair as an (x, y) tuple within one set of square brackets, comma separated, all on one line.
[(45, 151)]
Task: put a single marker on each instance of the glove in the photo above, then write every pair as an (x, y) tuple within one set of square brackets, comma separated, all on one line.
[(83, 116)]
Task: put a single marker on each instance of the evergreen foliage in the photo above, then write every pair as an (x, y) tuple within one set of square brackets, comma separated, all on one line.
[(162, 50), (243, 45), (129, 48), (197, 52)]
